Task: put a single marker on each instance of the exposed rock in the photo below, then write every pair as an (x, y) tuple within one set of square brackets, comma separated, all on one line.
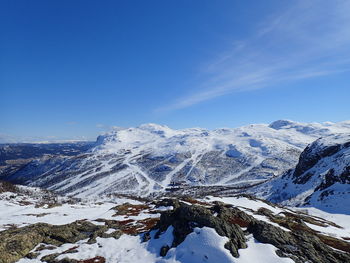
[(321, 178), (301, 243), (164, 250), (17, 243), (301, 246), (167, 202), (52, 259), (309, 157), (185, 218), (312, 154)]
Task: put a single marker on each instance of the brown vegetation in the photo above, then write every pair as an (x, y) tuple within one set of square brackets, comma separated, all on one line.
[(97, 259), (129, 209)]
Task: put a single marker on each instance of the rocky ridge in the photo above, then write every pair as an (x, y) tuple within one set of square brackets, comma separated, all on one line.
[(321, 178)]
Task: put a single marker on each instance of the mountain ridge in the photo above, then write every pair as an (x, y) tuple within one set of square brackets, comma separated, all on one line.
[(146, 159)]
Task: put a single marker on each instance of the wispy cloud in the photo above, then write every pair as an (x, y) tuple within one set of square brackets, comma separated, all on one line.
[(310, 38)]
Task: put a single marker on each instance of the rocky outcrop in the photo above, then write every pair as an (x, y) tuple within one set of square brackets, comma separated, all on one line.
[(301, 243), (184, 218), (16, 243), (312, 154), (320, 179)]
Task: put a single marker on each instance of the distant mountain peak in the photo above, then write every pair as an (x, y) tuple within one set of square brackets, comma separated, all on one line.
[(153, 126), (281, 124)]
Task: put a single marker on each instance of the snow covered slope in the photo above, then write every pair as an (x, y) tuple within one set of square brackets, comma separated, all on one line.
[(321, 178), (148, 158)]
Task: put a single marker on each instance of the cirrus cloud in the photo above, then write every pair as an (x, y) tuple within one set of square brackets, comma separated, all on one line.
[(309, 39)]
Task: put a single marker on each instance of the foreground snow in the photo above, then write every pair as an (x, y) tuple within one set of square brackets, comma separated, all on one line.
[(20, 210), (203, 245)]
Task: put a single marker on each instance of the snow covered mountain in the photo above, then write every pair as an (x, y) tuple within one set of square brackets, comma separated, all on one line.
[(321, 178), (148, 158)]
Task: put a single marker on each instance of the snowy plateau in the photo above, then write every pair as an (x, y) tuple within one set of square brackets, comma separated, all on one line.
[(261, 193)]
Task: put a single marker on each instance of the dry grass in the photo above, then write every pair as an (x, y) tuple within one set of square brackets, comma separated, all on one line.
[(238, 221), (129, 209), (70, 250), (335, 243), (97, 259), (24, 203), (132, 227), (148, 223), (126, 222), (311, 219)]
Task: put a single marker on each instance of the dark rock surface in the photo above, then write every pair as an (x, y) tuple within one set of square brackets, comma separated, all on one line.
[(299, 245), (302, 244), (18, 242), (184, 218), (312, 154)]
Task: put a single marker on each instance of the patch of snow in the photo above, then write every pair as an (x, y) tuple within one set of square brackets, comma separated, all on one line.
[(165, 239), (202, 245), (340, 219), (110, 231), (164, 208), (259, 252), (126, 249)]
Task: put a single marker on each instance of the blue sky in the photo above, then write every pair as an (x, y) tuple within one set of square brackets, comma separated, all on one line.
[(73, 69)]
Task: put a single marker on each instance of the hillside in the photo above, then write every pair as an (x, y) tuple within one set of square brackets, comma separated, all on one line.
[(321, 178), (18, 156), (146, 159)]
